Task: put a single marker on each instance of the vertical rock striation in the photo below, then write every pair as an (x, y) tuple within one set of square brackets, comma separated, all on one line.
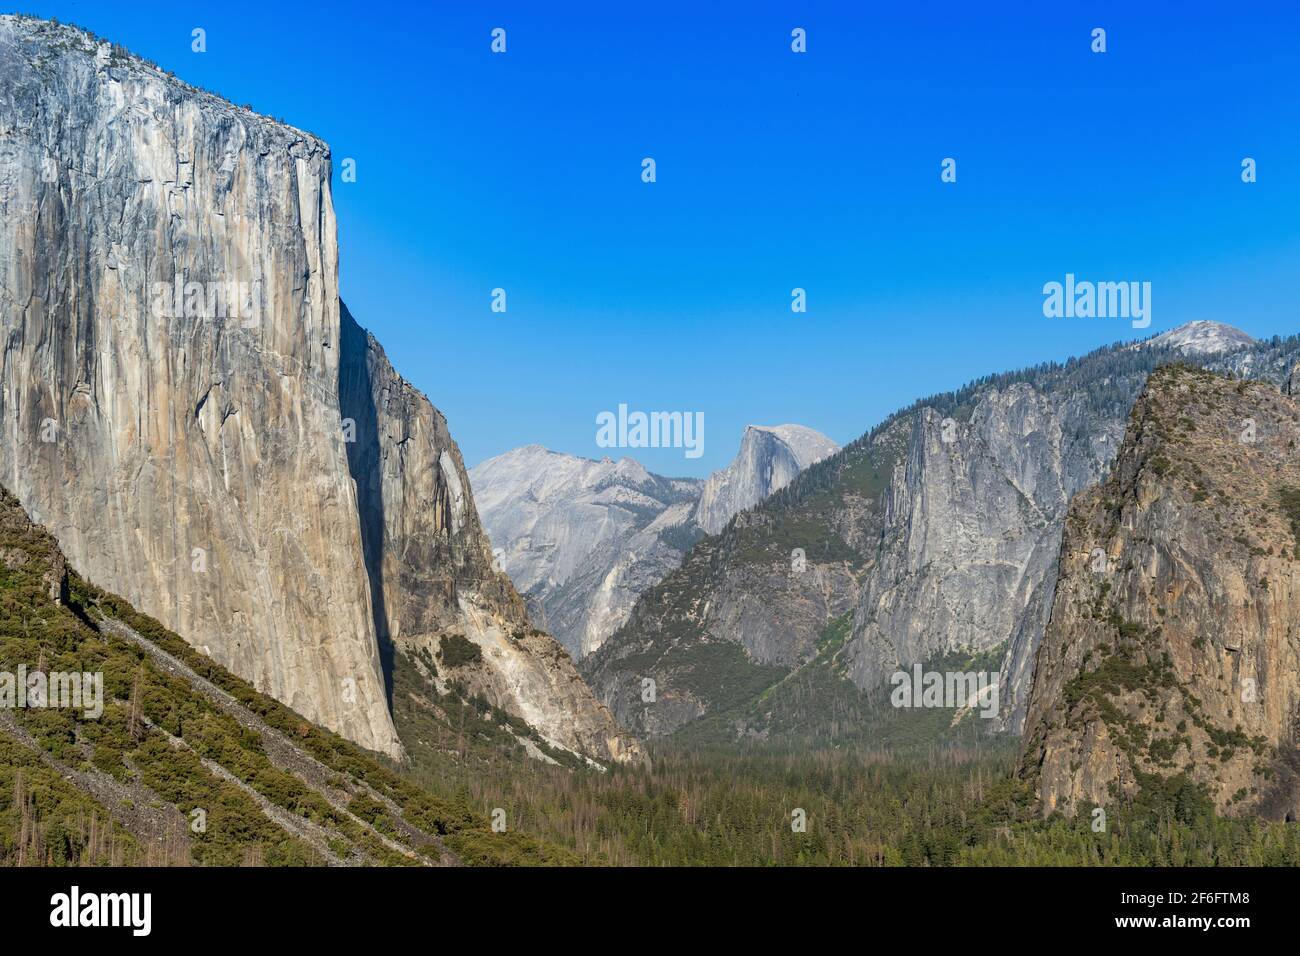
[(189, 458), (175, 376), (1174, 643), (967, 552), (939, 531)]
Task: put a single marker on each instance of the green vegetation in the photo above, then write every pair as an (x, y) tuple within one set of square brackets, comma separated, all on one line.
[(817, 705), (122, 788), (681, 537), (462, 727), (733, 806), (456, 650), (953, 803)]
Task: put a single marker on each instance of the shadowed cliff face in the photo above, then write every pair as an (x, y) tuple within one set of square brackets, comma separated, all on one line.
[(430, 568), (184, 441), (1174, 640)]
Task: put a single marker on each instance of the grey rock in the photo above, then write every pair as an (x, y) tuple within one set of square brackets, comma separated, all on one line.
[(1178, 650), (196, 460), (769, 458), (583, 539), (935, 545), (191, 462), (970, 535), (1201, 338), (429, 566)]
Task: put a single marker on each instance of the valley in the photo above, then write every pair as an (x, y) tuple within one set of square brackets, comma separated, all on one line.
[(1047, 617)]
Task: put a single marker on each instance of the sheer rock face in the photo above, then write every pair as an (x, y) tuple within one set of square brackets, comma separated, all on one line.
[(967, 555), (190, 460), (939, 534), (584, 539), (1174, 640), (768, 460), (957, 551), (193, 456), (430, 565)]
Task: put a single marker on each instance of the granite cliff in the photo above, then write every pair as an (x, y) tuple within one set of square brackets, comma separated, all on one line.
[(935, 534), (188, 408), (1174, 641), (583, 539)]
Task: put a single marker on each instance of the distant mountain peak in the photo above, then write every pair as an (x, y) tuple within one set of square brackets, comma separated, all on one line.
[(807, 444), (1202, 337), (583, 539), (769, 458)]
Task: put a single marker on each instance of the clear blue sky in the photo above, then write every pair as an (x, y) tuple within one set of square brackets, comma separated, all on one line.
[(775, 170)]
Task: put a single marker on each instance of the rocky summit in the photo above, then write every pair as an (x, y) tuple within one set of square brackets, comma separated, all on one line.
[(769, 459), (1174, 639), (1201, 337)]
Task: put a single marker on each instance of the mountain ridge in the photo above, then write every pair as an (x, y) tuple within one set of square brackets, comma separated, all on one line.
[(185, 763), (1170, 656), (582, 538), (921, 529)]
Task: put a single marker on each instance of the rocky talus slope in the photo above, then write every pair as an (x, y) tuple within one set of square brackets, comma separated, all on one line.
[(1174, 642), (584, 539), (205, 431), (181, 762)]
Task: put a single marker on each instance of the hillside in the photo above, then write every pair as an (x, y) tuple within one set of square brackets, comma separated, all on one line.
[(188, 764), (583, 539)]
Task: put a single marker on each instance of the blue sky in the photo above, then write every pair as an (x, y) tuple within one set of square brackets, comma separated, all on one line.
[(775, 170)]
